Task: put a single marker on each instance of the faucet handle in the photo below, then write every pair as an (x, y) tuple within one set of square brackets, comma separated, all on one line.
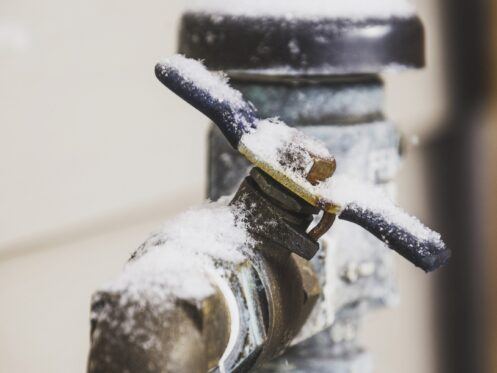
[(209, 93), (301, 164)]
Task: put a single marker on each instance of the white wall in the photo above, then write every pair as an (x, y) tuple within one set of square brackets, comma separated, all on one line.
[(94, 154)]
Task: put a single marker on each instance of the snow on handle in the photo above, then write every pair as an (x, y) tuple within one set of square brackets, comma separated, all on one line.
[(427, 253), (361, 203), (209, 93), (369, 207), (346, 191), (274, 137), (265, 141), (193, 71)]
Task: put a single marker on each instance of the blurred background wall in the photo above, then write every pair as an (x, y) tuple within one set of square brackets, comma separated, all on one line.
[(95, 154), (491, 229)]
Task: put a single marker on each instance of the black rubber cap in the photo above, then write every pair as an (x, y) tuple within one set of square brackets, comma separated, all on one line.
[(280, 46)]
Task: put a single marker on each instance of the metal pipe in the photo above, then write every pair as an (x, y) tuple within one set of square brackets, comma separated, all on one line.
[(336, 95)]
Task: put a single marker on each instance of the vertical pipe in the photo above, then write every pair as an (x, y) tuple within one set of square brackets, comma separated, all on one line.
[(321, 74)]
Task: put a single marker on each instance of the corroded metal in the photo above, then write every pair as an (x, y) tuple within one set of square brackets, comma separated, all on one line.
[(323, 226), (277, 299), (321, 170), (150, 347), (289, 231), (258, 309)]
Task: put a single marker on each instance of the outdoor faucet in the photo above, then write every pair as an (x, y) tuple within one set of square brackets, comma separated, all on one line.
[(229, 286)]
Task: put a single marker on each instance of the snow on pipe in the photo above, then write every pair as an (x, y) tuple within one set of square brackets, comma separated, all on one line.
[(428, 255), (237, 119)]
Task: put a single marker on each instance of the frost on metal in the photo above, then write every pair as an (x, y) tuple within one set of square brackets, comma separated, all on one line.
[(274, 143), (175, 263), (324, 69), (209, 93), (194, 72), (356, 272), (185, 245), (348, 192), (289, 151), (287, 154), (310, 104), (352, 9)]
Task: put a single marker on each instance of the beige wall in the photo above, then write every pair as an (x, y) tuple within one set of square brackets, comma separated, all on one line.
[(94, 154)]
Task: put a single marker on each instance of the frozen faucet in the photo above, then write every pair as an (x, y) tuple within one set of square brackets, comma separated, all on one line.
[(228, 287), (301, 165)]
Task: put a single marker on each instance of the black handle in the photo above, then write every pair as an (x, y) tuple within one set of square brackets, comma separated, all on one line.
[(209, 94), (427, 252)]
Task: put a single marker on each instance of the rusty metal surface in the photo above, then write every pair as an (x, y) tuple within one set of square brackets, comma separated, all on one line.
[(321, 170), (258, 309), (115, 349), (323, 226)]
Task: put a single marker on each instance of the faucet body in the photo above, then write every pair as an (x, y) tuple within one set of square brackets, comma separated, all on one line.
[(275, 311), (257, 309), (355, 272), (333, 92)]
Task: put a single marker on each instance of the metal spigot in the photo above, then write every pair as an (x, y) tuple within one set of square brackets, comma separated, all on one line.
[(257, 309), (291, 163), (257, 306)]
